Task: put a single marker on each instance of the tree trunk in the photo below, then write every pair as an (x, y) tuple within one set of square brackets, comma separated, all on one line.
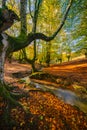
[(48, 55), (34, 21), (23, 6), (4, 3), (3, 48)]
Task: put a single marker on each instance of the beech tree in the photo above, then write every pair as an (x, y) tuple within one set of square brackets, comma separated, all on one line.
[(34, 17), (9, 44)]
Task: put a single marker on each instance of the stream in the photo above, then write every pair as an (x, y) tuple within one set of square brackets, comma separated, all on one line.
[(67, 96)]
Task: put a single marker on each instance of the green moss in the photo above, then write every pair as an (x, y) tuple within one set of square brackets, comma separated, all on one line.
[(17, 43), (7, 96), (20, 39)]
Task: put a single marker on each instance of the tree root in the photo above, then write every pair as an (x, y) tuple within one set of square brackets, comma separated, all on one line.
[(10, 101), (17, 95), (6, 95)]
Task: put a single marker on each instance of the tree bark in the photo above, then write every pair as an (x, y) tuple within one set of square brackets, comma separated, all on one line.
[(4, 3), (23, 6), (4, 46), (34, 21)]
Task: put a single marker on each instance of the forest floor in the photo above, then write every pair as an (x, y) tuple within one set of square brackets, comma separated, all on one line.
[(43, 110)]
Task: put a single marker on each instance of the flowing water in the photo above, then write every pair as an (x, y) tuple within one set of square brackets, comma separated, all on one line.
[(67, 96)]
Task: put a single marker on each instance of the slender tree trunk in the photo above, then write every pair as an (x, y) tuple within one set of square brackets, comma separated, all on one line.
[(23, 7), (48, 54), (3, 2), (34, 21), (85, 53)]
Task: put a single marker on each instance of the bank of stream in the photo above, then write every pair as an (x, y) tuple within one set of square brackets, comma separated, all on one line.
[(67, 96)]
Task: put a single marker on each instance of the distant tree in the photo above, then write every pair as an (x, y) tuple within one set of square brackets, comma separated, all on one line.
[(3, 2), (34, 17)]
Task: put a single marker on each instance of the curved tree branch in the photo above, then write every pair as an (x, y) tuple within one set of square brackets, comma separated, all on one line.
[(33, 36), (16, 44), (46, 38), (62, 22)]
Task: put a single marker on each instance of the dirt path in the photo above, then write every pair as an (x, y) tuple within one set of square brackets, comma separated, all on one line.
[(15, 67), (74, 71)]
